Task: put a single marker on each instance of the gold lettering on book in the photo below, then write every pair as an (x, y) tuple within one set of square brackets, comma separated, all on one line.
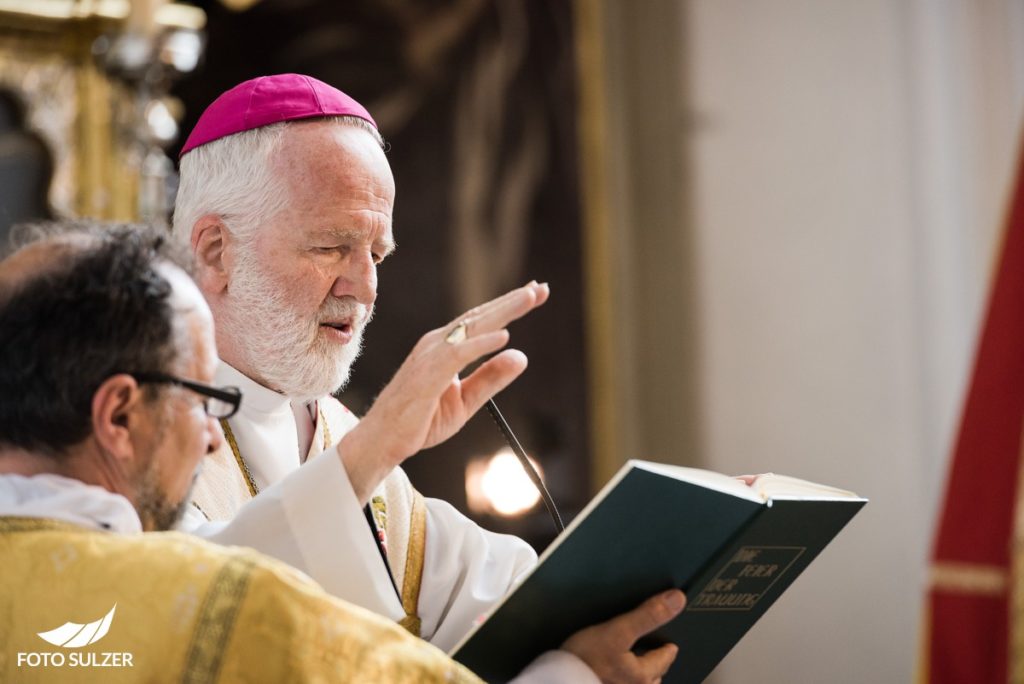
[(756, 570), (746, 578), (712, 601)]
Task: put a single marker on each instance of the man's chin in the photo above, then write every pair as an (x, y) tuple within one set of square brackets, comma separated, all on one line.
[(163, 516), (312, 392), (328, 376)]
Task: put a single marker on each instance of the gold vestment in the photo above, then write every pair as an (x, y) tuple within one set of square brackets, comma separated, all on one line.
[(186, 610)]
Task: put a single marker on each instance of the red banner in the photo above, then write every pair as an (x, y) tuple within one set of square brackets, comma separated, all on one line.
[(970, 619)]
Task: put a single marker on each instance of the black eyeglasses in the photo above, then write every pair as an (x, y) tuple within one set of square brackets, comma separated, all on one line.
[(220, 402)]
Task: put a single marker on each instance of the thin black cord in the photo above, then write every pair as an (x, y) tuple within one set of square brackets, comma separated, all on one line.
[(510, 437)]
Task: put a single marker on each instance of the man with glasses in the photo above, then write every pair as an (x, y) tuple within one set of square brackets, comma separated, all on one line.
[(106, 410)]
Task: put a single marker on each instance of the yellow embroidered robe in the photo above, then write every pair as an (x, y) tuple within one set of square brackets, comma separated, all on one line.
[(189, 611)]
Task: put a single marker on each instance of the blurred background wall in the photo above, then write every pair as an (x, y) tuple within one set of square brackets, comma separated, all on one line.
[(811, 197)]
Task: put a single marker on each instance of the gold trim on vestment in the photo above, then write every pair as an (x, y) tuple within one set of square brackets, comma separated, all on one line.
[(216, 621), (24, 524), (230, 436), (414, 564), (327, 430)]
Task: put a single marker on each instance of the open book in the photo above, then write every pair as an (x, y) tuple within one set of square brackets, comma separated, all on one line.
[(732, 548)]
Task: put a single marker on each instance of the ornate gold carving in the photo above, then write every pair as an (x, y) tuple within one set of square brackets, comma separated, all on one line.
[(85, 118), (46, 64), (47, 91)]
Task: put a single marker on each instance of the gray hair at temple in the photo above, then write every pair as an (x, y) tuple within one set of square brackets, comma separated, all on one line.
[(234, 178)]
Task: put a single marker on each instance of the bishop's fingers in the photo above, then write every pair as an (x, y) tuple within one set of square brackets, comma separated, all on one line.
[(498, 313), (491, 377)]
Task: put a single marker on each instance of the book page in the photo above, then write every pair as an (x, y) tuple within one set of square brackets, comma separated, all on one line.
[(766, 487), (704, 478), (775, 486)]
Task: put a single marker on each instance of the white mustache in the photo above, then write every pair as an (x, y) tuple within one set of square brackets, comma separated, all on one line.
[(346, 309)]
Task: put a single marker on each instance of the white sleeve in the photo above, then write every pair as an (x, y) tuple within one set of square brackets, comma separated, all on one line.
[(312, 521), (556, 667), (466, 570)]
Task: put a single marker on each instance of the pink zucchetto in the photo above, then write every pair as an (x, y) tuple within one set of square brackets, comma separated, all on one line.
[(271, 99)]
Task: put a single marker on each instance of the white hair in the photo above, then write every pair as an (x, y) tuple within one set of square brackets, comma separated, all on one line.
[(233, 178)]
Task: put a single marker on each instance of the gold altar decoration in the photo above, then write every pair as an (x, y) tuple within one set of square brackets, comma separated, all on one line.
[(56, 60)]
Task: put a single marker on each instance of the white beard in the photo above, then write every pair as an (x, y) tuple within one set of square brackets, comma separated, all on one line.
[(287, 351)]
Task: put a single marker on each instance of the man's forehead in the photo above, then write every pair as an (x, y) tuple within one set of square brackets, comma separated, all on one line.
[(339, 182), (310, 144)]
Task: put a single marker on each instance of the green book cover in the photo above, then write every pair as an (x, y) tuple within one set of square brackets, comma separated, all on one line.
[(732, 548)]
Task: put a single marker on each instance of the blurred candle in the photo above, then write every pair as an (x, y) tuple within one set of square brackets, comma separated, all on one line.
[(500, 485)]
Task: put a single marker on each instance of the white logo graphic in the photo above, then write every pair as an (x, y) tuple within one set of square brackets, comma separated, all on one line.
[(74, 635)]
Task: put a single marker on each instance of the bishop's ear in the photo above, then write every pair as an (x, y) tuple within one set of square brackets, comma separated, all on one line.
[(210, 240), (116, 413)]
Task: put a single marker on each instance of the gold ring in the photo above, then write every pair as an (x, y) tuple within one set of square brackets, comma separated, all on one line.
[(458, 334)]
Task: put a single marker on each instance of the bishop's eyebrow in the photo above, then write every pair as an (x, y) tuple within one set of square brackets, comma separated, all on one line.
[(389, 246), (386, 245)]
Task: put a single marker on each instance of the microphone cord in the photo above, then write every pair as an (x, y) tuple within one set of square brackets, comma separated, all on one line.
[(517, 449)]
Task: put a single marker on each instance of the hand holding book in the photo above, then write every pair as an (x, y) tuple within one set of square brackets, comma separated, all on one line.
[(607, 647)]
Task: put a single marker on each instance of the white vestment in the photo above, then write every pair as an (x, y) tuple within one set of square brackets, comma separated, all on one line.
[(72, 501), (309, 517)]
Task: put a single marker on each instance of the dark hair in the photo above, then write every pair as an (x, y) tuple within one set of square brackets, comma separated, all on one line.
[(101, 308)]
